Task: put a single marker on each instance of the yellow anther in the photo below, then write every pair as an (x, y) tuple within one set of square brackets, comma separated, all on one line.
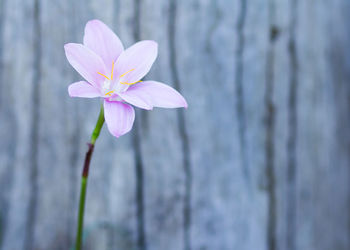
[(126, 73), (130, 83), (109, 93), (103, 75)]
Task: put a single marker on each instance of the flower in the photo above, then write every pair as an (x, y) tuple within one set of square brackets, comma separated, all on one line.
[(115, 75)]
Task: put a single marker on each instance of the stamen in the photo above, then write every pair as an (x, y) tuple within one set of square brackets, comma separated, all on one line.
[(111, 73), (112, 70), (130, 83), (109, 93), (126, 73), (103, 75)]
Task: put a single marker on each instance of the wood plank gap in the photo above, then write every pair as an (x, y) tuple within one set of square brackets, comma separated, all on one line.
[(34, 135), (270, 131), (239, 67), (182, 128), (292, 131), (139, 166)]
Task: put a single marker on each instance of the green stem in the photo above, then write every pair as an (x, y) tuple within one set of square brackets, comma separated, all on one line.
[(99, 124), (85, 174)]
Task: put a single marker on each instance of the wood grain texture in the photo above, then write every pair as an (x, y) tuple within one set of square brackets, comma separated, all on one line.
[(259, 160)]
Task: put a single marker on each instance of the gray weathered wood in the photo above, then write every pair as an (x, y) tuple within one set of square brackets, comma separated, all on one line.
[(259, 160)]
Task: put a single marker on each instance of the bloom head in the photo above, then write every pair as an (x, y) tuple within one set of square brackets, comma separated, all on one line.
[(115, 74)]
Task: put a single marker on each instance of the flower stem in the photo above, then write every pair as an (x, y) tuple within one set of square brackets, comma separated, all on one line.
[(85, 174)]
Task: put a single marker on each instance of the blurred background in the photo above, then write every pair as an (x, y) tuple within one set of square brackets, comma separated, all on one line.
[(259, 161)]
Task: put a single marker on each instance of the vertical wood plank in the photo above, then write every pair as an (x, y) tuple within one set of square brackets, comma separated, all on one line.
[(258, 59), (17, 77), (162, 151), (322, 169), (223, 185)]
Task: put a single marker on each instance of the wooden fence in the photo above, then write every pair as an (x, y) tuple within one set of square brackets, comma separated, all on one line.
[(259, 161)]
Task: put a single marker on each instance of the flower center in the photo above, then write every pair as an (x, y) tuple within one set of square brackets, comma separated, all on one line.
[(106, 88), (107, 83)]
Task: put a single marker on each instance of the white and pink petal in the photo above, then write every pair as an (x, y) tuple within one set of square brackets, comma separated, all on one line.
[(137, 98), (119, 117), (86, 62), (136, 61), (83, 89), (103, 41), (149, 94)]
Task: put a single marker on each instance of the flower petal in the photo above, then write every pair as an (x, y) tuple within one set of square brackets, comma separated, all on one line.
[(137, 97), (135, 62), (149, 94), (86, 62), (83, 89), (119, 117), (102, 40)]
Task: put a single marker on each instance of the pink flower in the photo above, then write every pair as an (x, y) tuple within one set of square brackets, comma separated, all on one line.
[(114, 74)]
